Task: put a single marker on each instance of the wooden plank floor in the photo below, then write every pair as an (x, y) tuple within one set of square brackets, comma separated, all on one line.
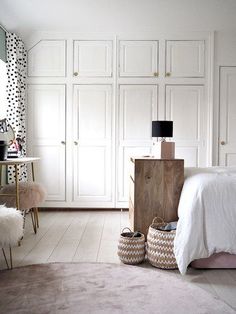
[(92, 236)]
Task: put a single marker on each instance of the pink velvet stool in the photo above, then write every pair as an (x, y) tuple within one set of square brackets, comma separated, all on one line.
[(31, 195)]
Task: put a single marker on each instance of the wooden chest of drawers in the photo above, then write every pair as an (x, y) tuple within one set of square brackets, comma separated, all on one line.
[(155, 187)]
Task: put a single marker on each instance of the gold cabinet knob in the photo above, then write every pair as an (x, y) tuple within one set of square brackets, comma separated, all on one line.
[(222, 143), (76, 73), (63, 142), (156, 74), (168, 74), (75, 142)]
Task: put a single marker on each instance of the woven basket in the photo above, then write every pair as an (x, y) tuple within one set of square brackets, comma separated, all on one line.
[(131, 249), (160, 245)]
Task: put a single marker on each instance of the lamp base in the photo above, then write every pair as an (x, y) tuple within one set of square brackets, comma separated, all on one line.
[(163, 150)]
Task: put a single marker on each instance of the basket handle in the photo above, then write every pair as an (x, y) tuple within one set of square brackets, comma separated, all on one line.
[(155, 220), (129, 231), (126, 228)]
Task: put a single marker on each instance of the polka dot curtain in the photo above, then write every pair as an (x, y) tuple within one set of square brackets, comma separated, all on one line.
[(16, 95)]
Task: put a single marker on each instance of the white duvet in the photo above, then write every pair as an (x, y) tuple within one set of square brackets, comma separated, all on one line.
[(207, 215)]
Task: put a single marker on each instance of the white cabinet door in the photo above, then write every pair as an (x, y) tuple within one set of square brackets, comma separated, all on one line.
[(92, 114), (92, 58), (185, 105), (185, 58), (47, 58), (137, 108), (46, 129), (138, 58), (227, 143)]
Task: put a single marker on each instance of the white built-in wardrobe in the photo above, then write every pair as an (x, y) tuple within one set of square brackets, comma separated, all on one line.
[(91, 100)]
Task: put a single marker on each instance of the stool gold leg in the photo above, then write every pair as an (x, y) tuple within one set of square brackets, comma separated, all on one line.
[(36, 212), (11, 257), (17, 188), (4, 254), (33, 220), (36, 215), (0, 175), (32, 171)]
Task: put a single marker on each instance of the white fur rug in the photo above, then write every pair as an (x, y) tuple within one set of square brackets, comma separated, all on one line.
[(11, 226)]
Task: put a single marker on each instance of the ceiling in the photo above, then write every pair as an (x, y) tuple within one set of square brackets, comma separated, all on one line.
[(27, 16)]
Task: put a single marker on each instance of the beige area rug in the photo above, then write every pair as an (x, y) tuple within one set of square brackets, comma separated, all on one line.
[(101, 288)]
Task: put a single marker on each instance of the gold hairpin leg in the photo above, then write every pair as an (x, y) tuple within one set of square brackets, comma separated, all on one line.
[(34, 223), (11, 257), (4, 254), (17, 188), (36, 212), (5, 257), (32, 169), (0, 175)]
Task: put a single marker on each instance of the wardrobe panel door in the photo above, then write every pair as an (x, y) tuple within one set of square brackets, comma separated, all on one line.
[(137, 109), (50, 170), (185, 58), (227, 141), (47, 58), (92, 143), (92, 58), (46, 129), (186, 107), (230, 159), (138, 58)]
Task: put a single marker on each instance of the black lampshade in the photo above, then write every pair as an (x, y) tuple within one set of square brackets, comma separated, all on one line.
[(162, 128)]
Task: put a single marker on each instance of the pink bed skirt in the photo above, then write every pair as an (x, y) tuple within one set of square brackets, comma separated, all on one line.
[(217, 260)]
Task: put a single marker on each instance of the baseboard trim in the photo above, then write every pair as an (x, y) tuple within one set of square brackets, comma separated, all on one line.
[(50, 209)]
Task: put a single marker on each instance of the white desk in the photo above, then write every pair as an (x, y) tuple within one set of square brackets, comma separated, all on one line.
[(19, 161)]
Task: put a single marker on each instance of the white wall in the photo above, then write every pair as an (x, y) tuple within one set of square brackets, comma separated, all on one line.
[(131, 16), (25, 17)]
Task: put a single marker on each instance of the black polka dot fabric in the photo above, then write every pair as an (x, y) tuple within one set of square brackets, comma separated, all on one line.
[(16, 95)]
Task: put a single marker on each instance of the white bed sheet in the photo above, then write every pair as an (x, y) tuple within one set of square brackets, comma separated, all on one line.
[(207, 215)]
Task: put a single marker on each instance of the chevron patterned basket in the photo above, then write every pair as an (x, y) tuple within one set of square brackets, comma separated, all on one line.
[(160, 245), (131, 247)]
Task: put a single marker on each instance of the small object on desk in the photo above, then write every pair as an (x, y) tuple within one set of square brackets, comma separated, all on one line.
[(12, 154), (15, 148), (3, 150)]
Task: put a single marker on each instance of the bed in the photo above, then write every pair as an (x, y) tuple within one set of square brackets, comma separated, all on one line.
[(207, 218)]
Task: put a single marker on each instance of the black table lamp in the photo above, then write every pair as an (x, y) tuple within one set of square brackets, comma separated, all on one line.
[(162, 129), (161, 148)]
